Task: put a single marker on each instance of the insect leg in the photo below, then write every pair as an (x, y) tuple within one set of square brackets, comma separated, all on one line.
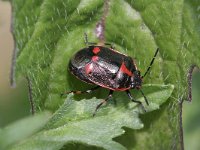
[(145, 98), (110, 44), (134, 100), (104, 101), (81, 92), (86, 40)]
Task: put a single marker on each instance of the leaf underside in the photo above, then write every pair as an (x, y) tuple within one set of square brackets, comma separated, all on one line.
[(49, 32), (73, 121)]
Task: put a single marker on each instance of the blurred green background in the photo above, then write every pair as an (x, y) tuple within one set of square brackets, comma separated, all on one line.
[(14, 102)]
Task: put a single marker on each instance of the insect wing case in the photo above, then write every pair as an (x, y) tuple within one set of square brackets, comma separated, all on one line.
[(103, 66)]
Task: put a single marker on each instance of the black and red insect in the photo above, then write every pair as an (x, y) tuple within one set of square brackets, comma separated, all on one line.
[(107, 68)]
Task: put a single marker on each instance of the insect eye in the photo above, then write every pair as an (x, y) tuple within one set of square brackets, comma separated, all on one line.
[(137, 73)]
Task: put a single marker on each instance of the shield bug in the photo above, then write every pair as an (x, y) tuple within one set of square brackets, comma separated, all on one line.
[(105, 67)]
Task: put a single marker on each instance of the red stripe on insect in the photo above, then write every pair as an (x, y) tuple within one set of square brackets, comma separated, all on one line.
[(96, 50), (125, 70), (88, 68)]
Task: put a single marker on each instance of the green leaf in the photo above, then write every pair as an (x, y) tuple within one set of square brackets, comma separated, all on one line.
[(73, 122), (49, 32), (22, 129)]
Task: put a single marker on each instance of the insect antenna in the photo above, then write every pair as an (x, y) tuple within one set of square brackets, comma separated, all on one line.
[(151, 63)]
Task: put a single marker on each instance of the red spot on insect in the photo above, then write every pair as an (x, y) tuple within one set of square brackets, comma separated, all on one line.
[(95, 58), (125, 70), (88, 68), (96, 50)]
